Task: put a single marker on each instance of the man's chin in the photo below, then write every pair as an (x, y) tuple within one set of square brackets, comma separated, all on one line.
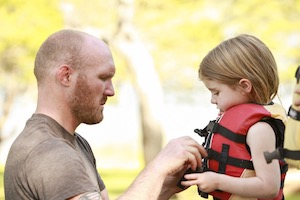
[(94, 121)]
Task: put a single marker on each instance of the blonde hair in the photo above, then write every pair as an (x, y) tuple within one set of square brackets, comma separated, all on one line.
[(244, 56)]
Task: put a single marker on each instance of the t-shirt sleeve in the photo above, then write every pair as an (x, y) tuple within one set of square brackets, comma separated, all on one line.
[(85, 145), (55, 171)]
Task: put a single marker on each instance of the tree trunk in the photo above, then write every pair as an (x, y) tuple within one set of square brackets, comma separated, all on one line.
[(145, 78)]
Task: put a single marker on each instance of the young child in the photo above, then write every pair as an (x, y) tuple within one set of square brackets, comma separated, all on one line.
[(241, 74)]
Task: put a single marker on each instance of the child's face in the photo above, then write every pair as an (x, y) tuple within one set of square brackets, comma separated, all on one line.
[(225, 96)]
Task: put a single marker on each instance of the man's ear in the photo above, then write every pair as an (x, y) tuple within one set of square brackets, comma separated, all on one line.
[(64, 74), (246, 85)]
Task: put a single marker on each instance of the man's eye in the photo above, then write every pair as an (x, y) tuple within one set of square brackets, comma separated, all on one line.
[(103, 78)]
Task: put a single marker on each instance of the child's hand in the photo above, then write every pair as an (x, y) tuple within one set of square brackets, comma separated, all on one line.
[(206, 181)]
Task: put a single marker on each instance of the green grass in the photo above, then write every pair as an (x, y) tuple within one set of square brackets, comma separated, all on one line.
[(1, 182), (118, 180)]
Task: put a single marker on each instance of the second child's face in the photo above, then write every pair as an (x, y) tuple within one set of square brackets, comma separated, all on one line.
[(225, 96)]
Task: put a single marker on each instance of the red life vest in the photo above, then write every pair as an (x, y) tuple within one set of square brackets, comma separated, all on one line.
[(225, 142)]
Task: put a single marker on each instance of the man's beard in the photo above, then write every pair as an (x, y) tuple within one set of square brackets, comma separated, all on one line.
[(83, 104)]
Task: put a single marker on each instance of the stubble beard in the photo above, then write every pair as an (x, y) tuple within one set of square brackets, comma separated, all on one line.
[(84, 105)]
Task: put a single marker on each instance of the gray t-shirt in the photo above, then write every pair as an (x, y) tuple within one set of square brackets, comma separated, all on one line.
[(47, 162)]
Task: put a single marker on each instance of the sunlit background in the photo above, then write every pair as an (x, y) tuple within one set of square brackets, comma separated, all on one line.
[(157, 46)]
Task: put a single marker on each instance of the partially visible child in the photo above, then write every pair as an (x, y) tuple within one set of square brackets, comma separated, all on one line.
[(291, 151), (241, 74)]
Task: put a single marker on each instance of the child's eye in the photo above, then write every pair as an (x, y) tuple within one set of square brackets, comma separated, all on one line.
[(215, 93)]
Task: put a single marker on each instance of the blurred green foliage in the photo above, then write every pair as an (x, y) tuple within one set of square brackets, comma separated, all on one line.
[(24, 25), (184, 32), (178, 33)]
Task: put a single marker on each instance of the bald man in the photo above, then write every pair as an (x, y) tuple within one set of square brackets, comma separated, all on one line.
[(49, 160)]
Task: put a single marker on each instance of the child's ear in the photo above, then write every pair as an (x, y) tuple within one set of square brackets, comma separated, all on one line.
[(246, 85)]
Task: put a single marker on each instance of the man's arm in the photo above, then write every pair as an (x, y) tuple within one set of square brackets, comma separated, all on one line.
[(159, 179)]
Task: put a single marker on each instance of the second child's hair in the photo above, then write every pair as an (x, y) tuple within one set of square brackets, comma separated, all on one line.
[(244, 56)]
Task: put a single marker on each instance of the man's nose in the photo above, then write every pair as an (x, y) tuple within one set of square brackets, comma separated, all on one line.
[(109, 90)]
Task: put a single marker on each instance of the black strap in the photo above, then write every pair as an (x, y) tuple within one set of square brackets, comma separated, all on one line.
[(204, 132), (223, 158), (219, 129), (294, 155), (294, 113), (297, 74), (246, 164), (284, 169), (281, 153)]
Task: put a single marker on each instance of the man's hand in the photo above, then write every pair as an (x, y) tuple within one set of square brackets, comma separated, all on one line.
[(180, 154), (176, 158)]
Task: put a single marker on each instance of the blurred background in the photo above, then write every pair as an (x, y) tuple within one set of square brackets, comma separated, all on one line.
[(157, 46)]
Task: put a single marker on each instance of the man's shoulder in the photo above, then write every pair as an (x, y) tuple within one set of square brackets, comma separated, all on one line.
[(38, 141)]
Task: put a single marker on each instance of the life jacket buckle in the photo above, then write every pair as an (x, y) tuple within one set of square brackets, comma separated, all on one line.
[(210, 128)]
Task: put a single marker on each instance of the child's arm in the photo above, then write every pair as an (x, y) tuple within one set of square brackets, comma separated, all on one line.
[(266, 184)]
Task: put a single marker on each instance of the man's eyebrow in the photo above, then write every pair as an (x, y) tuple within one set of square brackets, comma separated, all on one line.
[(107, 74)]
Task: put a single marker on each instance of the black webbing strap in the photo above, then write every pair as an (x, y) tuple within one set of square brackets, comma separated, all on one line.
[(297, 74), (286, 153), (204, 132), (281, 153), (284, 168), (219, 129), (246, 164), (223, 157), (294, 113)]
